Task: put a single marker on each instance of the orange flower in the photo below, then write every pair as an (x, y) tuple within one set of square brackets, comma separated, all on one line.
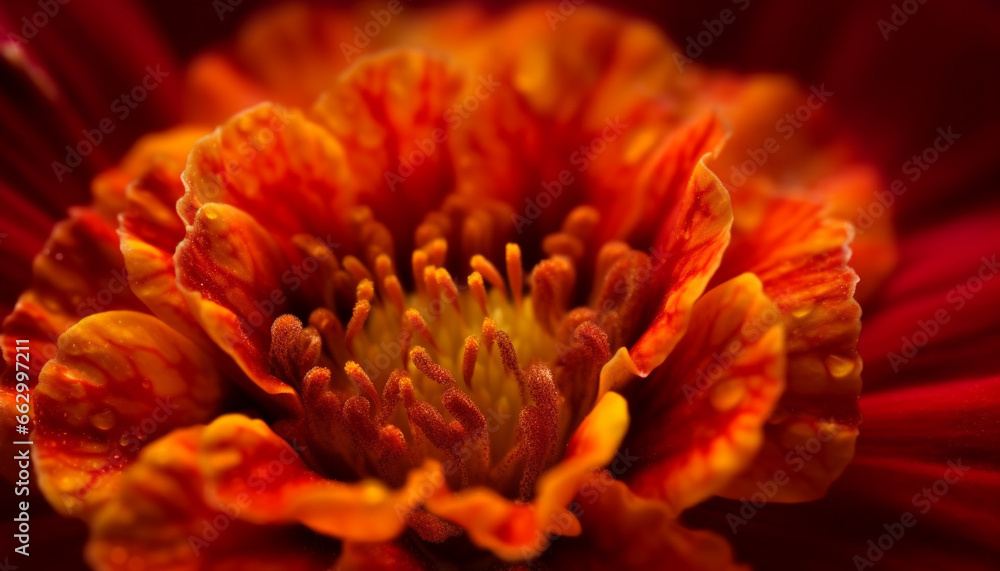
[(327, 355)]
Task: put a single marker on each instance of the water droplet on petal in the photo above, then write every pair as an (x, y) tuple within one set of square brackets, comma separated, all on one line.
[(838, 366), (103, 420)]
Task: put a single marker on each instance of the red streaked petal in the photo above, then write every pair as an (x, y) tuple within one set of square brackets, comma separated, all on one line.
[(272, 162), (78, 273), (516, 532), (699, 418), (241, 457), (801, 257), (229, 269), (692, 242), (160, 520), (119, 380), (394, 112), (624, 531)]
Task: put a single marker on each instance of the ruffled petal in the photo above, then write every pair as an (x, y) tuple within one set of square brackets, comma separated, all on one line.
[(699, 418), (119, 380), (161, 520), (801, 257), (150, 228), (80, 272), (276, 165), (692, 241), (229, 270), (515, 531), (624, 531), (241, 457)]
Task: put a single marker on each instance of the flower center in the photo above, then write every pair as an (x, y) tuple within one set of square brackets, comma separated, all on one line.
[(485, 377)]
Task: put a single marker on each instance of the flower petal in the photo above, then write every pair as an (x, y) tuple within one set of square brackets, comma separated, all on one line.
[(119, 379), (160, 520), (515, 531), (801, 258), (699, 418), (242, 457), (693, 241), (229, 270), (276, 165), (624, 531), (79, 272)]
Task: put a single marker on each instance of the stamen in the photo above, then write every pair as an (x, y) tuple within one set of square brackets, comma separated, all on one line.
[(469, 354), (431, 284), (416, 322), (422, 361), (551, 288), (294, 349), (563, 244), (419, 262), (515, 273), (357, 323), (507, 354), (437, 250), (358, 422), (489, 333), (360, 377), (365, 290), (448, 288), (478, 290), (490, 272), (394, 292), (329, 327), (607, 257), (357, 270), (392, 395), (465, 411), (581, 221)]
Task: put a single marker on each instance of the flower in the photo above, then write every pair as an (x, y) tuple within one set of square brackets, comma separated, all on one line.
[(686, 336)]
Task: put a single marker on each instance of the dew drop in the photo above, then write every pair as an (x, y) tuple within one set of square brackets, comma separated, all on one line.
[(103, 420), (801, 312), (838, 366)]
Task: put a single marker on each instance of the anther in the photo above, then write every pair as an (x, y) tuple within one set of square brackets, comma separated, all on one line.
[(357, 323), (357, 270), (422, 361), (478, 290), (489, 271), (469, 354), (515, 272), (360, 377)]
